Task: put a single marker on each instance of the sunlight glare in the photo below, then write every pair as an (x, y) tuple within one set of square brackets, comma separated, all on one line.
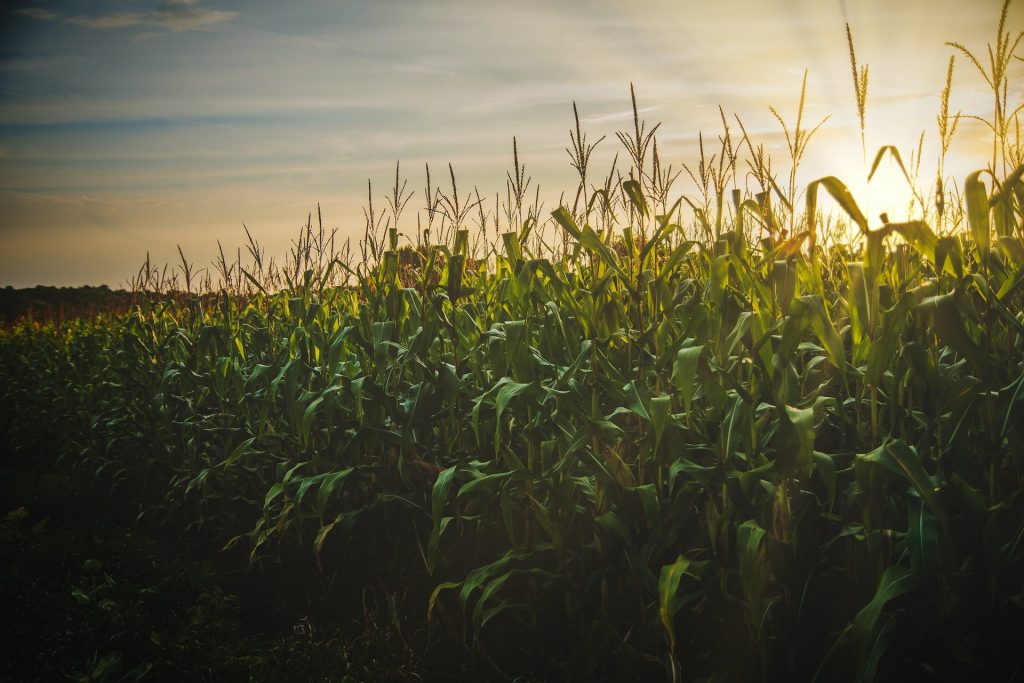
[(886, 193)]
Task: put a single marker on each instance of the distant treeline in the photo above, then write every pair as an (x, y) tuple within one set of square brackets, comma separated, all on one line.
[(46, 303)]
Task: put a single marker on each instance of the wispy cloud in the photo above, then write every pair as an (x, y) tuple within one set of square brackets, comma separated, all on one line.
[(169, 15), (616, 116), (37, 13)]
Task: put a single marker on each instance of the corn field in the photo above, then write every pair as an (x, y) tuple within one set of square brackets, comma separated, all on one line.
[(635, 440)]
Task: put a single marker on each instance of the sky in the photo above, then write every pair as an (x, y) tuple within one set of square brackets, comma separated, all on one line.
[(130, 127)]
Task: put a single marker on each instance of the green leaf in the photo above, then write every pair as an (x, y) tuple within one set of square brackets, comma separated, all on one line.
[(753, 573), (792, 332), (330, 482), (902, 459), (668, 605), (492, 587), (447, 585), (826, 469), (1012, 283), (564, 218), (891, 149), (275, 491), (488, 482), (508, 391), (661, 413), (675, 258), (307, 418), (1012, 183), (880, 641), (783, 282), (636, 197), (637, 402), (918, 234), (304, 486), (438, 500), (896, 581), (841, 194), (735, 427), (814, 309), (612, 524), (949, 256), (976, 199), (540, 512), (922, 539), (479, 576), (590, 240), (684, 372), (321, 538), (882, 352), (1013, 247), (749, 478), (692, 470), (863, 307), (950, 327), (513, 249), (663, 229), (742, 327), (456, 270)]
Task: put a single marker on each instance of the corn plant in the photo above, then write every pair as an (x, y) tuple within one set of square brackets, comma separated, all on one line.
[(617, 445)]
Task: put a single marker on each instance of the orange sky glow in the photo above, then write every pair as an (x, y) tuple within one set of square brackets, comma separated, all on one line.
[(135, 127)]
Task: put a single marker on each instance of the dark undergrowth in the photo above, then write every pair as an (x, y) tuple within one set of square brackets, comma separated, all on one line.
[(92, 594)]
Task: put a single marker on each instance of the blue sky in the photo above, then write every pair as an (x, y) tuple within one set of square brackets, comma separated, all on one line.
[(129, 126)]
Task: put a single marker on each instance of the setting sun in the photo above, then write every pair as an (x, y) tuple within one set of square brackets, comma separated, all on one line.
[(887, 193)]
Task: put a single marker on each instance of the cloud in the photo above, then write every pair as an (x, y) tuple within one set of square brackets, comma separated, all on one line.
[(108, 21), (37, 13), (170, 15), (617, 116)]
